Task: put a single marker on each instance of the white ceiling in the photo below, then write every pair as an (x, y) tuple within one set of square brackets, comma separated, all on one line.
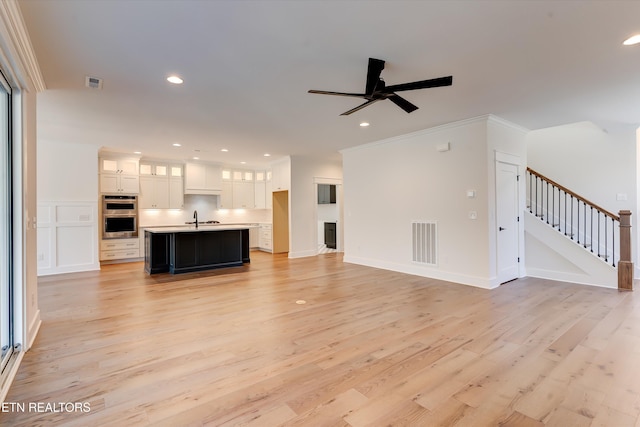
[(247, 66)]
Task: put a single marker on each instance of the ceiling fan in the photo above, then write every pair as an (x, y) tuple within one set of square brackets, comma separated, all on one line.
[(376, 90)]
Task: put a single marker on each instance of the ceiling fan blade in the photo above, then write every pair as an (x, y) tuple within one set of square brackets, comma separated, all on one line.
[(423, 84), (402, 103), (324, 92), (359, 107), (373, 74)]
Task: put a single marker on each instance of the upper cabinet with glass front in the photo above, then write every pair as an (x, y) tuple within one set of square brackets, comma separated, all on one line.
[(119, 175), (154, 169)]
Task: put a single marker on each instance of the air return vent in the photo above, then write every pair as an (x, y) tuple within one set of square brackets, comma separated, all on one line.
[(424, 239), (93, 82)]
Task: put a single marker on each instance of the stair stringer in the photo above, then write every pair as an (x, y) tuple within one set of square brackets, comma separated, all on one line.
[(551, 255)]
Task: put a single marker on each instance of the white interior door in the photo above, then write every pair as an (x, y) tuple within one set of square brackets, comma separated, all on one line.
[(507, 221)]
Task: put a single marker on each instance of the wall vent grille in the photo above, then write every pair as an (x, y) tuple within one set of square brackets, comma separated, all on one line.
[(424, 239), (93, 82)]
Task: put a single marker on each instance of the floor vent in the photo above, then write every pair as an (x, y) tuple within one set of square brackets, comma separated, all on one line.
[(423, 234)]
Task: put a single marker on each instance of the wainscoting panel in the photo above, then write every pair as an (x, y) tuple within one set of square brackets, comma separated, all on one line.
[(67, 237)]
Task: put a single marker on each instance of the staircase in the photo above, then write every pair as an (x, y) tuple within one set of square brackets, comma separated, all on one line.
[(581, 224)]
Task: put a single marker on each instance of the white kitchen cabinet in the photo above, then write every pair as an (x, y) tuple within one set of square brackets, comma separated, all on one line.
[(200, 178), (119, 184), (141, 241), (176, 193), (154, 192), (243, 195), (281, 175), (176, 187), (119, 176), (265, 238), (161, 186), (260, 195), (242, 189), (116, 249), (120, 166), (254, 236), (226, 197), (268, 191), (243, 175), (260, 187), (153, 169)]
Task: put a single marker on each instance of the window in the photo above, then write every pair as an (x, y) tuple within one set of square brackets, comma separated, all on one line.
[(6, 238)]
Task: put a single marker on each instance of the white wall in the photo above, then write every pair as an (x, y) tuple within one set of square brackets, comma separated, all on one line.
[(303, 202), (68, 220), (390, 183), (591, 162), (588, 161), (393, 182), (67, 171)]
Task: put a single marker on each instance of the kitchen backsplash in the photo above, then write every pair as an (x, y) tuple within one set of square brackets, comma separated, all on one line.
[(207, 207)]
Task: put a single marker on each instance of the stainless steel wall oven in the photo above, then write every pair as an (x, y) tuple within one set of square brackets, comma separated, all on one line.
[(119, 217)]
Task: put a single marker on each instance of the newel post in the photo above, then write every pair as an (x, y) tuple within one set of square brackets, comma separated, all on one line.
[(625, 265)]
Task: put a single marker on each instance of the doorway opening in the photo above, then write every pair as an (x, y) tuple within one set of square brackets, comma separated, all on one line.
[(280, 222), (328, 230)]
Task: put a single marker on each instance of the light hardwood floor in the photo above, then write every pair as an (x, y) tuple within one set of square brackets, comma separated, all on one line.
[(369, 348)]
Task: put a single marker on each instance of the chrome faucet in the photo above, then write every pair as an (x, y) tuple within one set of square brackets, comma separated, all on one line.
[(195, 216)]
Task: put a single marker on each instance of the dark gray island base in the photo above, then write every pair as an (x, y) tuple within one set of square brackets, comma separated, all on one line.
[(180, 250)]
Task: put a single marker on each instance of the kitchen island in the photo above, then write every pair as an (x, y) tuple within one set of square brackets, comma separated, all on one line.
[(187, 249)]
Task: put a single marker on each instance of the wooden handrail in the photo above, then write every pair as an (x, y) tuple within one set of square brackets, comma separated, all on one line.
[(571, 193)]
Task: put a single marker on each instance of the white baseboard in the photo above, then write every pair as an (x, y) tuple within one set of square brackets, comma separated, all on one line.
[(478, 282), (302, 254)]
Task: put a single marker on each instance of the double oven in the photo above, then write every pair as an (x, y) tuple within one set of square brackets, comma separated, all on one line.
[(119, 216)]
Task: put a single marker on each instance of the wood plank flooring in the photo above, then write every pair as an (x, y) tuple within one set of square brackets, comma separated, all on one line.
[(369, 348)]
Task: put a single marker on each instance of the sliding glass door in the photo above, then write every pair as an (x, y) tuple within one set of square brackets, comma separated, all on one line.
[(6, 238)]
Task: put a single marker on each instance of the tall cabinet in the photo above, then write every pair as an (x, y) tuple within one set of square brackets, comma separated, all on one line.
[(161, 186)]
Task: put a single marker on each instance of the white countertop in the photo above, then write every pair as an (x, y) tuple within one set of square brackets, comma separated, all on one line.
[(201, 227)]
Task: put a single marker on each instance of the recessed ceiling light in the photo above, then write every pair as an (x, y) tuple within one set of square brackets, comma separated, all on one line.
[(364, 124), (267, 155), (632, 40), (175, 144), (137, 152), (175, 80), (224, 150), (196, 158), (243, 163)]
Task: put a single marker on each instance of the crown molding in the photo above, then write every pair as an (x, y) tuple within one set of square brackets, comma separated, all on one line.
[(20, 55)]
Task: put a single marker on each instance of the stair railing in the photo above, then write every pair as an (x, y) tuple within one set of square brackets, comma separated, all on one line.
[(589, 225)]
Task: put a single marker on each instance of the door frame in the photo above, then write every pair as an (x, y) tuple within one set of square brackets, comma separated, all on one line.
[(514, 160), (339, 200)]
